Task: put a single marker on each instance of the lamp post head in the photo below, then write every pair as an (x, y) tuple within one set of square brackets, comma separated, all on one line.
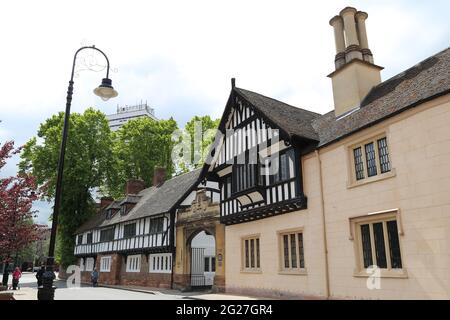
[(105, 90)]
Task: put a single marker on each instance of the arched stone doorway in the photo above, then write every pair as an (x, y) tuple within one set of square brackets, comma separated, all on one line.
[(202, 260), (197, 222)]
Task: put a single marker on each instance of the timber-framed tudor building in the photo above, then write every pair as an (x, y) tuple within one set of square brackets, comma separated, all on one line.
[(291, 203)]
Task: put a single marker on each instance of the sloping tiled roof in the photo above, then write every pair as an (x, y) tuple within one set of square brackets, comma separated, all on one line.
[(424, 81), (295, 121), (114, 205), (157, 200), (153, 201), (92, 223)]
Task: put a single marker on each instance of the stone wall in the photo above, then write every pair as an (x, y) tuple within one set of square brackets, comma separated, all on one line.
[(144, 277), (419, 187)]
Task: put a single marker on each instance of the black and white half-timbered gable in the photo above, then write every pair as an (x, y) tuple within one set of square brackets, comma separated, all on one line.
[(256, 156), (140, 223)]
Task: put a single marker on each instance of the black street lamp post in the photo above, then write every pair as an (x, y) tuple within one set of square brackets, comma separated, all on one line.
[(105, 91)]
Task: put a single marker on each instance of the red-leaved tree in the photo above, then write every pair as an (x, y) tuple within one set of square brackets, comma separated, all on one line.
[(17, 194)]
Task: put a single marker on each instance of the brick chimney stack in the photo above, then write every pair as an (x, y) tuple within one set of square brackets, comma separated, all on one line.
[(134, 186), (159, 176)]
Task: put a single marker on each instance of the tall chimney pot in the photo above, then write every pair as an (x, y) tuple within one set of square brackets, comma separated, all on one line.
[(338, 24), (355, 73)]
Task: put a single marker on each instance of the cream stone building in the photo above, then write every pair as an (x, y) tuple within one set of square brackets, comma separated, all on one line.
[(359, 206)]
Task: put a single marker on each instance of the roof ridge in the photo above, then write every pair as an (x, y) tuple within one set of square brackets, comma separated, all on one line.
[(287, 104), (401, 73), (172, 178)]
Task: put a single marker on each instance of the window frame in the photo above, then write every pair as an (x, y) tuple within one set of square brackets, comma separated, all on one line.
[(128, 236), (89, 238), (289, 157), (82, 264), (256, 254), (356, 237), (243, 178), (102, 262), (353, 180), (282, 269), (154, 267), (111, 230), (87, 265), (153, 227), (123, 209), (131, 268)]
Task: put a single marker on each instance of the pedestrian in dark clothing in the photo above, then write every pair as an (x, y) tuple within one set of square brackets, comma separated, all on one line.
[(94, 278), (5, 276), (16, 276), (39, 275)]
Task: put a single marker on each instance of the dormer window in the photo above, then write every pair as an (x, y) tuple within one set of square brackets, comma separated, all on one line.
[(123, 209), (112, 209)]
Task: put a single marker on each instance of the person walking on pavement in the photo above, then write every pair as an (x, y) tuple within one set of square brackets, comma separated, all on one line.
[(16, 276), (94, 278), (39, 276)]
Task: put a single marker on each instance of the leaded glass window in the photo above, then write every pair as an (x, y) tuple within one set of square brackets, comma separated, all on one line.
[(359, 166), (366, 245), (247, 255), (251, 254), (394, 245), (380, 250), (383, 153), (292, 250), (380, 244), (371, 160)]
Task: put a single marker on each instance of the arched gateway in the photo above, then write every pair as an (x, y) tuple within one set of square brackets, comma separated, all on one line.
[(200, 245)]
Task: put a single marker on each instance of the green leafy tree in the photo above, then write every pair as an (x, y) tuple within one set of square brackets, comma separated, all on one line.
[(140, 145), (200, 132), (89, 164)]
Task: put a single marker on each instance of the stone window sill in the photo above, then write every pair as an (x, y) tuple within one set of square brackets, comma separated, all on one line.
[(379, 177), (385, 273), (255, 271), (294, 272)]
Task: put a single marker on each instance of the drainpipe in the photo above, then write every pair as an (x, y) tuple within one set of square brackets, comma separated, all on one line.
[(322, 204), (172, 240)]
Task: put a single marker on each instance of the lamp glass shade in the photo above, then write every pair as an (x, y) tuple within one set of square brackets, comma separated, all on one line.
[(106, 90)]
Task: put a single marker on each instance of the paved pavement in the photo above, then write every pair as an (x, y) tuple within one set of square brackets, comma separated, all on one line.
[(28, 291)]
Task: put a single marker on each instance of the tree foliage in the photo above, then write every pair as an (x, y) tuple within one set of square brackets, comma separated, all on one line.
[(89, 164), (100, 160), (17, 194), (201, 132), (139, 146)]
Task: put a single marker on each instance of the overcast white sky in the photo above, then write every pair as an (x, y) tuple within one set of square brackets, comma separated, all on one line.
[(180, 55)]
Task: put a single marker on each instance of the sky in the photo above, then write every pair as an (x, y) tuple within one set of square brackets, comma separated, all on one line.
[(179, 56)]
